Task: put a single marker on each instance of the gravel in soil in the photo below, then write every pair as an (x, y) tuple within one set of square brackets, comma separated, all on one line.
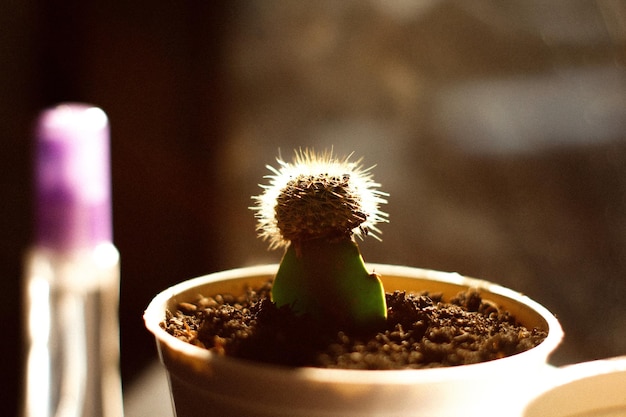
[(422, 331)]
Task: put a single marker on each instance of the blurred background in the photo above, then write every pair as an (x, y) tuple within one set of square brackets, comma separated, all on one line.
[(499, 130)]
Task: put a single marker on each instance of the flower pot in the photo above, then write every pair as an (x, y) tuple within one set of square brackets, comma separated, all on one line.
[(205, 384), (588, 389)]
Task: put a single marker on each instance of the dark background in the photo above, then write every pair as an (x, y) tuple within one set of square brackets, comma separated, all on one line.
[(499, 132)]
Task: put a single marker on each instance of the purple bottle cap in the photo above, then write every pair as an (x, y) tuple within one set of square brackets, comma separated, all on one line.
[(73, 184)]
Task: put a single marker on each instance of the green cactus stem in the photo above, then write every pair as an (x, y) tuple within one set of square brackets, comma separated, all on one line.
[(329, 281)]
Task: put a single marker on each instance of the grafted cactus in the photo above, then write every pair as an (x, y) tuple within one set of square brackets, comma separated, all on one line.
[(314, 207)]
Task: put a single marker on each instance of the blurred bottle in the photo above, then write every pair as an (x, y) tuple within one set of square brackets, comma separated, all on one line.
[(71, 283)]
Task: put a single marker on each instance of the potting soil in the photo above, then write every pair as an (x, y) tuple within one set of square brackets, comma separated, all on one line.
[(421, 331)]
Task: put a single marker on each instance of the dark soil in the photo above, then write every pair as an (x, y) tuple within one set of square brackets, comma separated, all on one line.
[(421, 331)]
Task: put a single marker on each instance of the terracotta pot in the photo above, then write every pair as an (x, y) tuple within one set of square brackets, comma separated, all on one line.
[(205, 384)]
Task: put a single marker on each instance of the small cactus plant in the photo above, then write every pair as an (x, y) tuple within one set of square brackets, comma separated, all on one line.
[(314, 207)]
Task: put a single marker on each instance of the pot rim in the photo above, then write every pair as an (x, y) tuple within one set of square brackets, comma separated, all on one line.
[(569, 393), (155, 313)]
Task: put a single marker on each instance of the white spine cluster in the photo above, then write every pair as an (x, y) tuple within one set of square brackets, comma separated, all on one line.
[(318, 195)]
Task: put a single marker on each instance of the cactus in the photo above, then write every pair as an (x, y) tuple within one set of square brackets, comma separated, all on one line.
[(314, 207)]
